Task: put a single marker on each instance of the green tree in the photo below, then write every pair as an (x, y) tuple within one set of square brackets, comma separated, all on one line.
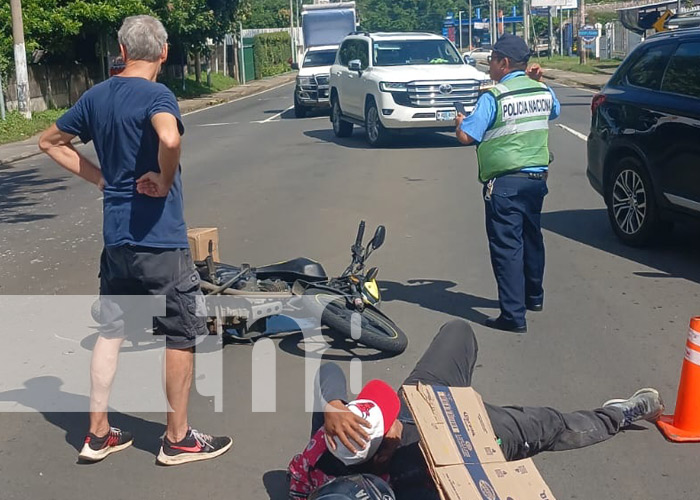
[(268, 14)]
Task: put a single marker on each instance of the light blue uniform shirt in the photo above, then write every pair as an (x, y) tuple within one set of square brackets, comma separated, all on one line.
[(484, 114)]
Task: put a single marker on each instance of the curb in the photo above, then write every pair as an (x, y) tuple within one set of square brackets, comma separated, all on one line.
[(22, 156), (573, 82), (246, 91)]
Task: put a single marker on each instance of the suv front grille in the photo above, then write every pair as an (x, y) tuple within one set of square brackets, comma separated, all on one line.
[(322, 80), (433, 94)]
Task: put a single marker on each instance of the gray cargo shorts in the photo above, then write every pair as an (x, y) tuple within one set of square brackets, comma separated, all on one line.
[(128, 272)]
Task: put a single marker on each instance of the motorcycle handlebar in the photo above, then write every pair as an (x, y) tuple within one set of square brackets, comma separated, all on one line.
[(360, 234)]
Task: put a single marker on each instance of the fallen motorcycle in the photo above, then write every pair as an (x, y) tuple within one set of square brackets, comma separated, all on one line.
[(347, 304)]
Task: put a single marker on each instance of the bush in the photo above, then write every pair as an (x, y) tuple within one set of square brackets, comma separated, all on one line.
[(272, 52)]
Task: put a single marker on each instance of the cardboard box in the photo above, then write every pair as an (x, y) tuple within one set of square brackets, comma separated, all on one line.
[(199, 238), (461, 449)]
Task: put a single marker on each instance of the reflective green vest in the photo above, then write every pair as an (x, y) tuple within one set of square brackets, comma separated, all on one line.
[(519, 135)]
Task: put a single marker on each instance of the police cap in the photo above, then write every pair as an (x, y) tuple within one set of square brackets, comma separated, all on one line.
[(513, 47)]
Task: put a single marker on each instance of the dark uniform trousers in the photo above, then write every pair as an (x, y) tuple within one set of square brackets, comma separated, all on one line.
[(513, 215)]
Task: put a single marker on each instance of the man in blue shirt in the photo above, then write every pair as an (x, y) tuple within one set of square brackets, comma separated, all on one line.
[(509, 126), (135, 125)]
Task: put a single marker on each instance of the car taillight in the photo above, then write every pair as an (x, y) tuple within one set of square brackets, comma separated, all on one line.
[(598, 99)]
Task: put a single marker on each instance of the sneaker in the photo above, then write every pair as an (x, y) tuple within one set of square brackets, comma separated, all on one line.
[(195, 446), (644, 404), (98, 448)]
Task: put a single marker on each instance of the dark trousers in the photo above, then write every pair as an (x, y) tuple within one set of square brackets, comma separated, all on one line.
[(515, 243), (524, 431)]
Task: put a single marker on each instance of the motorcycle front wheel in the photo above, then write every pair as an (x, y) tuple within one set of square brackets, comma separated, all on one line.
[(369, 327)]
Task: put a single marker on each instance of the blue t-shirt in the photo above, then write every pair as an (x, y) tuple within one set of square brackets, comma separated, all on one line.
[(116, 116), (484, 114)]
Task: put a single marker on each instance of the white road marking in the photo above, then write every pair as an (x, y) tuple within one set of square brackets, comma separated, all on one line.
[(239, 99), (217, 124), (578, 134), (268, 120)]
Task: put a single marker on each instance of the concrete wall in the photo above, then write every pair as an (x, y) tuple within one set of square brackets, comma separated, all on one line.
[(53, 86)]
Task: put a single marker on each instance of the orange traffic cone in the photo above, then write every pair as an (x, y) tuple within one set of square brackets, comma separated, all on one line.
[(684, 426)]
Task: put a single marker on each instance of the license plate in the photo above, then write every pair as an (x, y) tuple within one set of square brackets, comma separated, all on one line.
[(444, 116)]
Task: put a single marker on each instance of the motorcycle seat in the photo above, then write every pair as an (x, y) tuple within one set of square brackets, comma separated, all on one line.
[(291, 270)]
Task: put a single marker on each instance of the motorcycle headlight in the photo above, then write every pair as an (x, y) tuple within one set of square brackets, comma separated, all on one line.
[(305, 81), (392, 87)]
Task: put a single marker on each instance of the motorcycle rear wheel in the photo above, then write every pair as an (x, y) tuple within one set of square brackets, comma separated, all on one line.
[(376, 329)]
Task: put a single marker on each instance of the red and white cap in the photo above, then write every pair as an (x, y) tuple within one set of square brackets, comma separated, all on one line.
[(379, 405)]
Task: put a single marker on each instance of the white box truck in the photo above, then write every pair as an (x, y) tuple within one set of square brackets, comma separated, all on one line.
[(324, 26)]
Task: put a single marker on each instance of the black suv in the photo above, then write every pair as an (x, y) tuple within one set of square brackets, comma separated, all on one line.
[(644, 145)]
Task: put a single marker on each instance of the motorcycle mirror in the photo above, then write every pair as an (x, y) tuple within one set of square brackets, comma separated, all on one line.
[(372, 274), (378, 238)]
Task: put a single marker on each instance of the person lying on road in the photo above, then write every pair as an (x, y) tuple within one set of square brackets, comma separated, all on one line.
[(376, 433)]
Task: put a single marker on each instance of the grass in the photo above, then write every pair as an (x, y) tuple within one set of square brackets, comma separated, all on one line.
[(16, 127), (192, 89), (572, 64)]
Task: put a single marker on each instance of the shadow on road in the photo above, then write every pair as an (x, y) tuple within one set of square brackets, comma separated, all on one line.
[(310, 113), (411, 141), (333, 346), (275, 482), (437, 296), (41, 392), (674, 257), (22, 189)]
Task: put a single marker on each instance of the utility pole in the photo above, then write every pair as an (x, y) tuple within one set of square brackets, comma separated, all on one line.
[(582, 23), (23, 98), (459, 15), (2, 101), (291, 29), (561, 31), (492, 22), (470, 26), (526, 28), (551, 32)]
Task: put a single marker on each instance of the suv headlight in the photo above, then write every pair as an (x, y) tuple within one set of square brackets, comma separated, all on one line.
[(305, 81), (392, 87), (486, 85)]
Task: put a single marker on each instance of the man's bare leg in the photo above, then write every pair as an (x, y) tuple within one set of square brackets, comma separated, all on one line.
[(178, 380), (103, 367), (182, 445), (102, 440)]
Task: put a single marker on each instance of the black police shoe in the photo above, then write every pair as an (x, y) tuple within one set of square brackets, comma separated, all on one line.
[(500, 323)]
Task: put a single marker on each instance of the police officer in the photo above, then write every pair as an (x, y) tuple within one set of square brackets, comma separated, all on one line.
[(510, 127)]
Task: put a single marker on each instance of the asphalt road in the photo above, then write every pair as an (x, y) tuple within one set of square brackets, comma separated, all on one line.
[(615, 318)]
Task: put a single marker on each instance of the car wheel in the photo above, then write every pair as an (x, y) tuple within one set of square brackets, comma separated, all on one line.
[(299, 110), (341, 128), (377, 134), (631, 204)]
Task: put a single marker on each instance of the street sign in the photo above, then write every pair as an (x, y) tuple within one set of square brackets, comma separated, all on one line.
[(588, 33)]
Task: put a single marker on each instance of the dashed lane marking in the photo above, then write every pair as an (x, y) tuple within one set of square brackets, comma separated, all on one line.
[(273, 117), (578, 134), (217, 124)]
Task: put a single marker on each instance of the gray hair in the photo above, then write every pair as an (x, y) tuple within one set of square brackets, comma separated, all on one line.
[(143, 37)]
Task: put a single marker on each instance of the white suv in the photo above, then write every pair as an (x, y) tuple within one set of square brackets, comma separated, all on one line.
[(399, 82)]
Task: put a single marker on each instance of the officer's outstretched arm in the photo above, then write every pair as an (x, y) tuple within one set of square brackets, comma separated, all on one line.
[(463, 137)]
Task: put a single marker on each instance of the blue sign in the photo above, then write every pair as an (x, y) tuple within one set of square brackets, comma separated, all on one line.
[(588, 34)]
